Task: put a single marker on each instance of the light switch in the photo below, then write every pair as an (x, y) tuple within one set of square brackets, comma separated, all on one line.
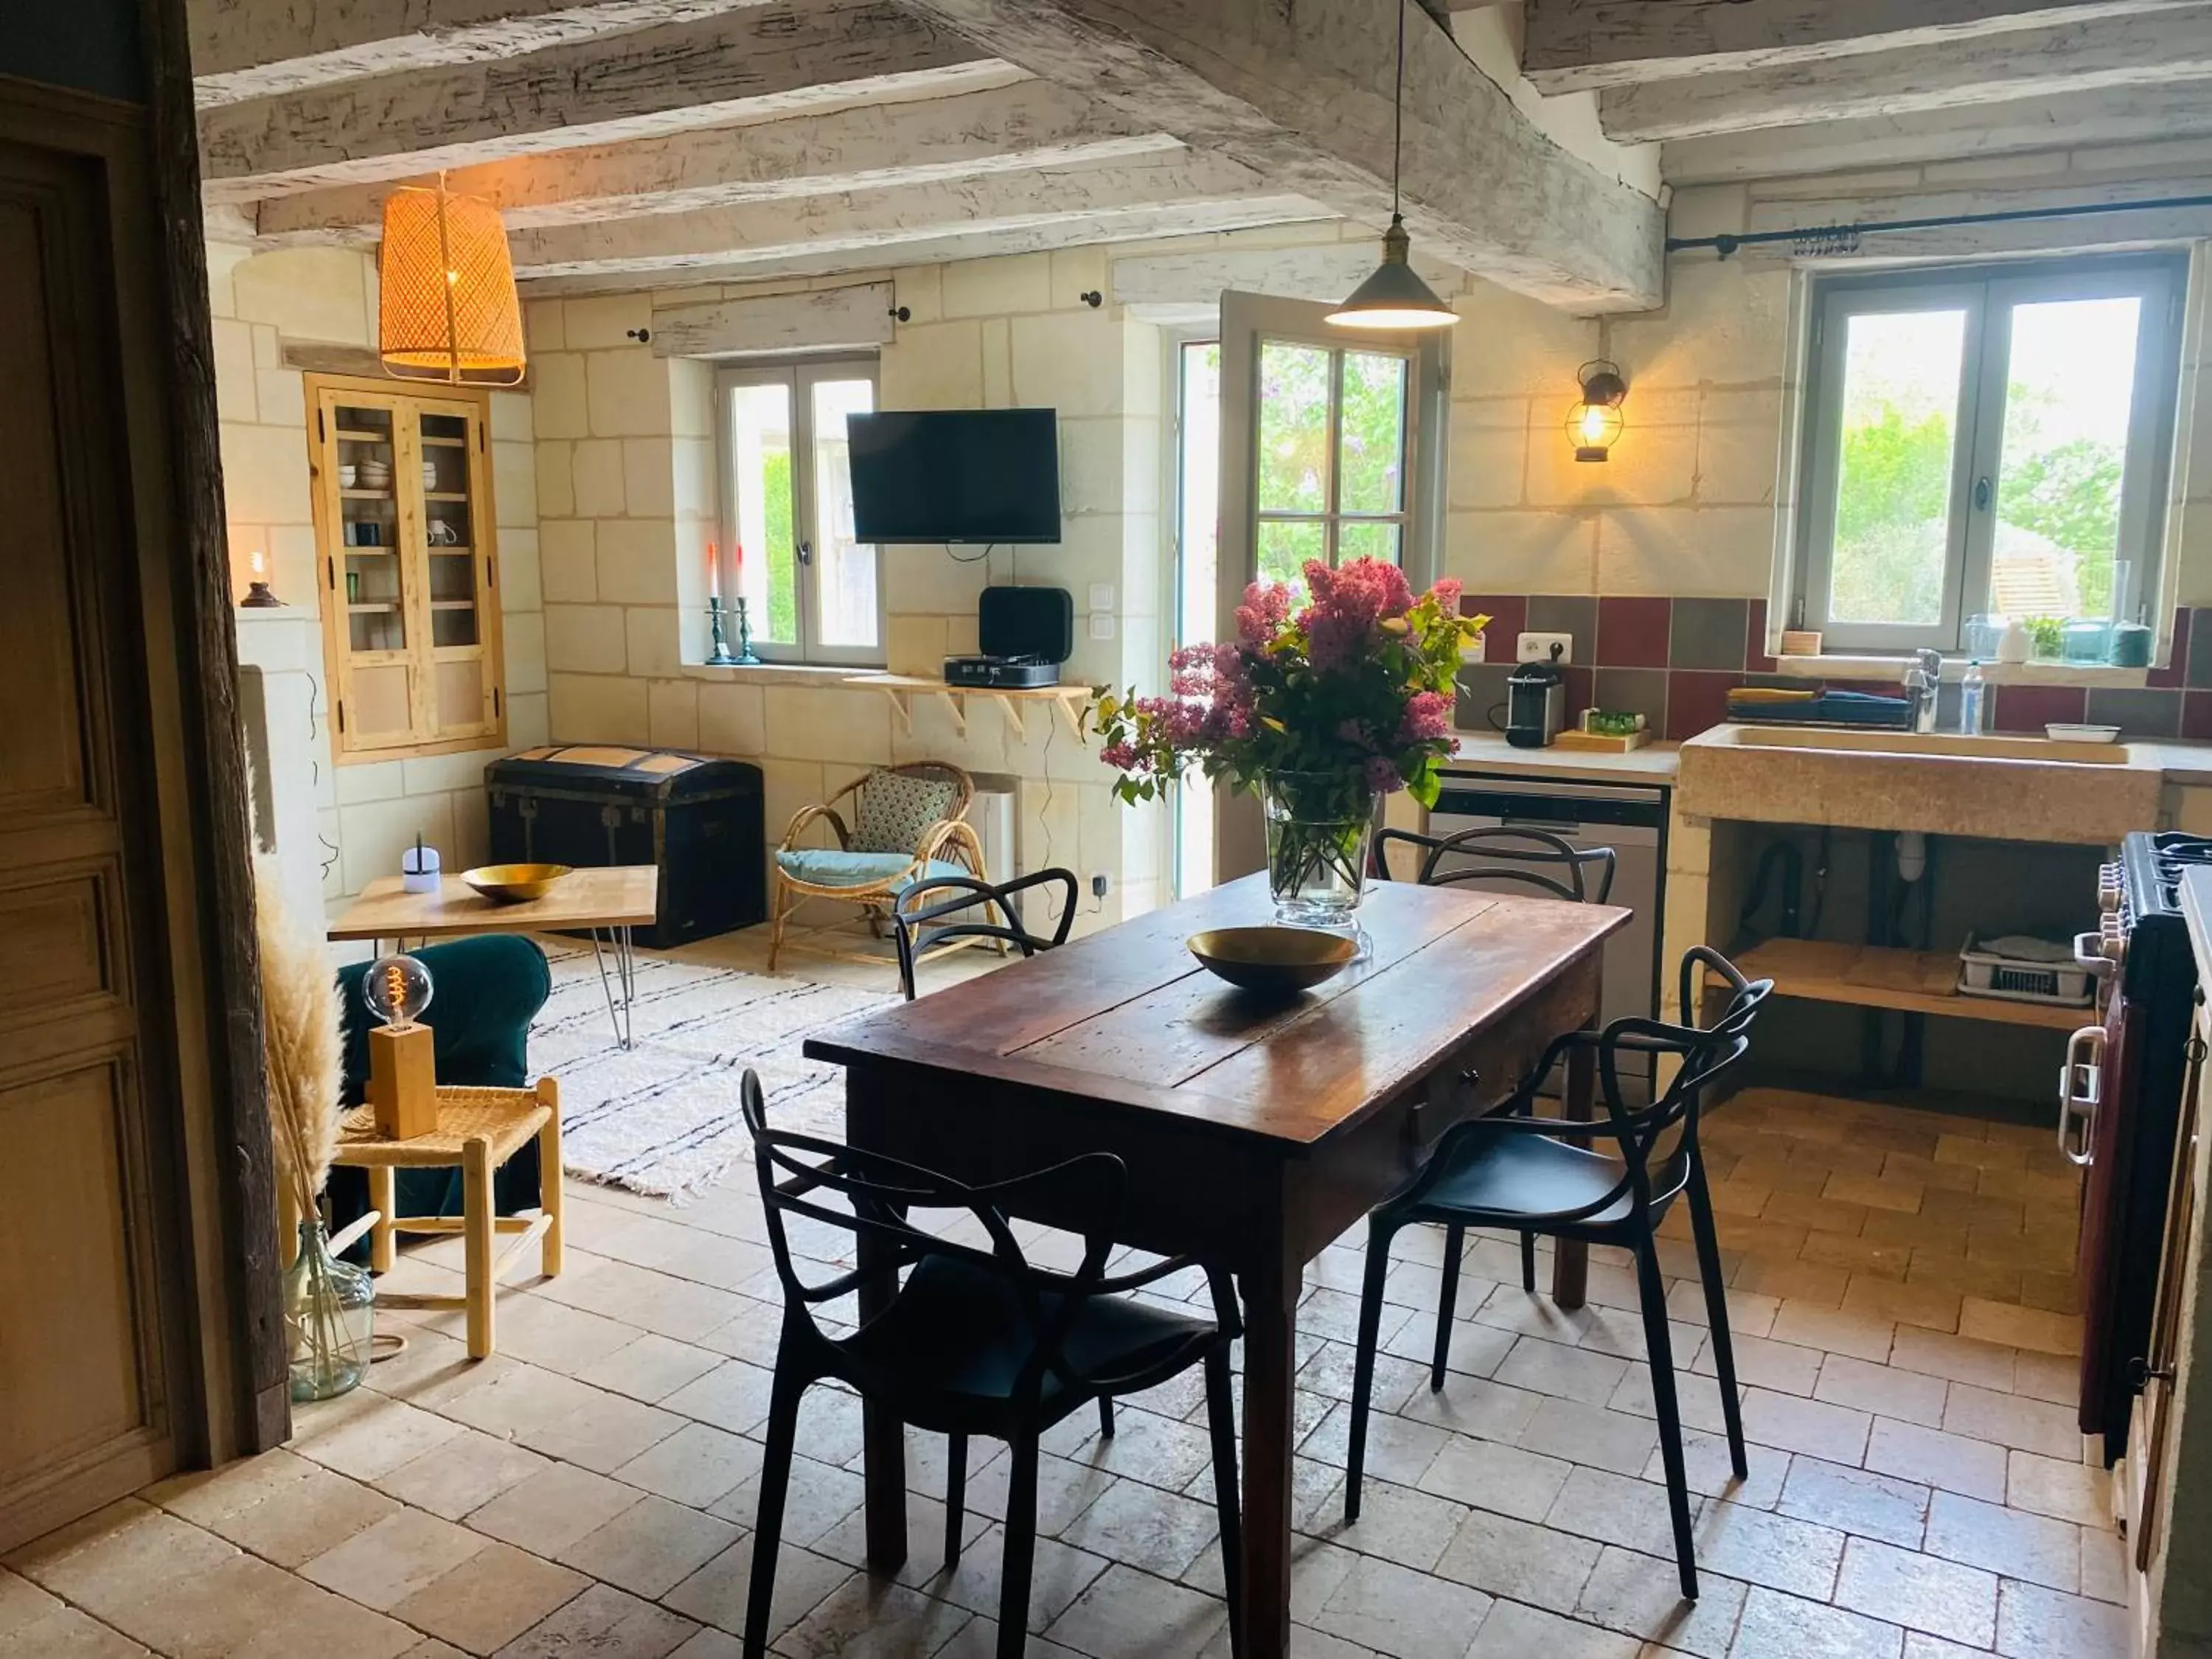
[(1102, 624), (1101, 596)]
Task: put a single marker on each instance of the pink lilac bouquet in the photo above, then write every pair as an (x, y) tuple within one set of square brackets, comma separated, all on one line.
[(1352, 692)]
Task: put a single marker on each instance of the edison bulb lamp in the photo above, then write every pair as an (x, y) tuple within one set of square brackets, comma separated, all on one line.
[(396, 991)]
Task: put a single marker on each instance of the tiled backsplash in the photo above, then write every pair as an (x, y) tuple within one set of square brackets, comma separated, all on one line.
[(1674, 660)]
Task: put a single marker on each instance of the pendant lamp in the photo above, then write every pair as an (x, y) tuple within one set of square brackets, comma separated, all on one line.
[(1395, 297), (447, 307)]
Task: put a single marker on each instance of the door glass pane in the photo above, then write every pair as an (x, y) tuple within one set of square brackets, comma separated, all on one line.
[(369, 527), (2070, 387), (768, 565), (1293, 459), (1285, 547), (1358, 540), (1198, 463), (1372, 450), (844, 569), (1900, 407)]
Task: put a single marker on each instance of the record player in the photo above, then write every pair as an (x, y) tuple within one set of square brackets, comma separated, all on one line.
[(1020, 673)]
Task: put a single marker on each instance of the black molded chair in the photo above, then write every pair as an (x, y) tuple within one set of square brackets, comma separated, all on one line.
[(977, 1341), (1529, 857), (964, 913), (1517, 1170)]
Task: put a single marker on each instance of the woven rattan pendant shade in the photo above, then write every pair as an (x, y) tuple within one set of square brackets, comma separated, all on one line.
[(447, 309)]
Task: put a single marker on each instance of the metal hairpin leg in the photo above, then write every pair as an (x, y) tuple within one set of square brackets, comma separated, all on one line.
[(625, 977)]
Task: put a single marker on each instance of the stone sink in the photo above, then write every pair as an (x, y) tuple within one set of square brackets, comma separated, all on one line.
[(2004, 788)]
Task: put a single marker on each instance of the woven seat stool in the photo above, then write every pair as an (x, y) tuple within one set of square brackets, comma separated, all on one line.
[(478, 1129)]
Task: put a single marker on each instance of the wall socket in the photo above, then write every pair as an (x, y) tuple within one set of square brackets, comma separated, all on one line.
[(1101, 882), (1537, 648)]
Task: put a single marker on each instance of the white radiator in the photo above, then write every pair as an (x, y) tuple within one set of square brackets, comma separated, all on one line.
[(991, 814)]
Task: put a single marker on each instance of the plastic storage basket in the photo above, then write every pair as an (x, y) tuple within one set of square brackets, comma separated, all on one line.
[(1984, 972)]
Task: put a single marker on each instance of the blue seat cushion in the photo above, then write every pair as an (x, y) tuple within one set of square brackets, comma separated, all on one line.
[(832, 866)]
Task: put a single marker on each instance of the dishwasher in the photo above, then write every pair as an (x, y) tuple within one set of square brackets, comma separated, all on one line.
[(1630, 819)]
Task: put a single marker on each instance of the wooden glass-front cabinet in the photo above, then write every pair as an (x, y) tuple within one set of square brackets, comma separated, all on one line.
[(404, 521)]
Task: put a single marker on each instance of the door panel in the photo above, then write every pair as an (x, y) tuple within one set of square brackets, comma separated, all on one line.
[(88, 1303)]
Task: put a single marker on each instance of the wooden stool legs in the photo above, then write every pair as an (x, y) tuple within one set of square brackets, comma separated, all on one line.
[(549, 1198), (478, 1227), (383, 1187)]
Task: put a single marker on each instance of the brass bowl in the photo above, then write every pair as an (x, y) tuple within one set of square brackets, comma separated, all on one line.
[(514, 884), (1277, 959)]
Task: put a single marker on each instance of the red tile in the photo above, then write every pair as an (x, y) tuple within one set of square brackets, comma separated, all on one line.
[(1581, 692), (2176, 672), (1754, 644), (2032, 707), (1508, 619), (1696, 699), (1633, 633), (2196, 715)]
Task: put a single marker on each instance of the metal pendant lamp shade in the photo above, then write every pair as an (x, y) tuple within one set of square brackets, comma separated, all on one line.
[(1395, 296), (447, 308)]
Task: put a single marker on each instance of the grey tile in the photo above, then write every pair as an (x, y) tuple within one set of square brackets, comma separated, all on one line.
[(1481, 695), (2139, 714), (1566, 613), (1634, 691), (1709, 634), (2200, 647)]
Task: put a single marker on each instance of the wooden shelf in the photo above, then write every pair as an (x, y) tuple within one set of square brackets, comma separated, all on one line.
[(365, 495), (368, 608), (444, 443), (445, 495), (363, 552), (452, 604), (1911, 981), (359, 436), (902, 688)]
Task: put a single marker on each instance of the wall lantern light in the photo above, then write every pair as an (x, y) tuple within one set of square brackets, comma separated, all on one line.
[(447, 307), (1595, 424)]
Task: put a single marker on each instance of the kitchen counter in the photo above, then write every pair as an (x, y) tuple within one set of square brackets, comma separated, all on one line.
[(1654, 763)]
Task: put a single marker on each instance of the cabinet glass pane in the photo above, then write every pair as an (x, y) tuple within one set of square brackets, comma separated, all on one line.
[(2069, 399), (766, 554), (1900, 413), (1371, 446), (845, 570), (1293, 436), (369, 527)]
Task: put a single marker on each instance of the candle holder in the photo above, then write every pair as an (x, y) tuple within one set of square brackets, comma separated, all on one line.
[(718, 655), (746, 656)]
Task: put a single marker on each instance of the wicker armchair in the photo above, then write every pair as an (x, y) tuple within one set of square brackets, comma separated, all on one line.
[(873, 877)]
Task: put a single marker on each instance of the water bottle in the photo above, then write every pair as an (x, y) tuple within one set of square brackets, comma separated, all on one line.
[(1974, 701)]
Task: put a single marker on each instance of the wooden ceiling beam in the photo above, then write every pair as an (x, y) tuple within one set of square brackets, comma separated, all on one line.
[(1576, 45), (258, 48), (756, 62), (763, 232), (1303, 96), (2141, 51), (1022, 127)]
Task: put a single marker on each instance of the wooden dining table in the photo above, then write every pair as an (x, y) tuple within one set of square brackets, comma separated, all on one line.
[(1255, 1131)]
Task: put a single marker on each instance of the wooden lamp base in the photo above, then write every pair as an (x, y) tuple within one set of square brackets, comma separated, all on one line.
[(402, 1081)]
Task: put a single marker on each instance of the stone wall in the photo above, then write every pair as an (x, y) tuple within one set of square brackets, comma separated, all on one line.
[(327, 296)]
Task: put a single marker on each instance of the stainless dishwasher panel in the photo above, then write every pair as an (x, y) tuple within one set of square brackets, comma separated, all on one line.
[(1631, 820)]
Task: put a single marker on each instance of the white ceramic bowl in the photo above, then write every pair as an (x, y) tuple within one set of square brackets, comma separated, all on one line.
[(2059, 732), (346, 476)]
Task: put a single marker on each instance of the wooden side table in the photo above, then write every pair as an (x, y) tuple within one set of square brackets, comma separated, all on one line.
[(478, 1129)]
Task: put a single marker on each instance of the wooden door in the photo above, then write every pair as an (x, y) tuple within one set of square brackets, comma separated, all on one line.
[(90, 1301)]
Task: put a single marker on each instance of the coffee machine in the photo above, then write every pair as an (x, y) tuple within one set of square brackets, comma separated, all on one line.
[(1535, 703)]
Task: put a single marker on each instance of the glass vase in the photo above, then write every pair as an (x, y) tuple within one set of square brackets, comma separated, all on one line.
[(1320, 825), (329, 1309)]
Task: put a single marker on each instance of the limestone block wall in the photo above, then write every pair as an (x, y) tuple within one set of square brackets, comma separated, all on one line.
[(262, 302), (627, 481)]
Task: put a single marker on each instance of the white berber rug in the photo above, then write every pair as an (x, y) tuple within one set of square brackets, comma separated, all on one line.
[(663, 1117)]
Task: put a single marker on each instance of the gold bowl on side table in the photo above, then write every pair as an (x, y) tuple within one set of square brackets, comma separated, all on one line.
[(1276, 959), (514, 884)]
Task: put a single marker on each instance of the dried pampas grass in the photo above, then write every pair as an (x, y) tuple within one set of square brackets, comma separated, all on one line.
[(300, 1043)]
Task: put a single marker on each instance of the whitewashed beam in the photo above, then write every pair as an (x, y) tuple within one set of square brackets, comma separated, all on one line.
[(255, 48), (667, 241), (1031, 124), (2070, 121), (847, 319), (1328, 271), (991, 240), (2082, 56), (1575, 45), (2128, 228), (1303, 94), (753, 64)]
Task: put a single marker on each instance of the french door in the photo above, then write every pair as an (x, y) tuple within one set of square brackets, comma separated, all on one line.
[(1332, 449)]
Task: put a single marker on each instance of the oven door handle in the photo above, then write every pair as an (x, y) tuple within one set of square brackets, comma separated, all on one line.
[(2089, 953), (2080, 1085)]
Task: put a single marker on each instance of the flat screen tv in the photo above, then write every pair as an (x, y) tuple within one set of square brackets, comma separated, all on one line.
[(955, 475)]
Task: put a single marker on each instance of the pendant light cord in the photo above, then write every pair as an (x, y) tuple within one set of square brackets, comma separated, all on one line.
[(1398, 115)]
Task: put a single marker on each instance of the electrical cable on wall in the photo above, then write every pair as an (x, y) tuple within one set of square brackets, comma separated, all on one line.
[(1814, 241)]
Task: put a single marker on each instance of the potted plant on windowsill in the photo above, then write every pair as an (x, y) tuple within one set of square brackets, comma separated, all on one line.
[(1318, 708)]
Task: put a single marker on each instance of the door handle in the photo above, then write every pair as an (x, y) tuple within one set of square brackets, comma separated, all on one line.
[(1983, 492), (806, 552), (2080, 1085)]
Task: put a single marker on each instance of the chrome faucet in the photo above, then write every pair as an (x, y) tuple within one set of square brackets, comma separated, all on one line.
[(1922, 681)]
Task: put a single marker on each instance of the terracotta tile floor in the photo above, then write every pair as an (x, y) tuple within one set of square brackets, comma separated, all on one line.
[(1901, 1299)]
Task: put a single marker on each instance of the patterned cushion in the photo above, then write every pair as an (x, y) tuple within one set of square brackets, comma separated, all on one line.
[(896, 808), (832, 866)]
